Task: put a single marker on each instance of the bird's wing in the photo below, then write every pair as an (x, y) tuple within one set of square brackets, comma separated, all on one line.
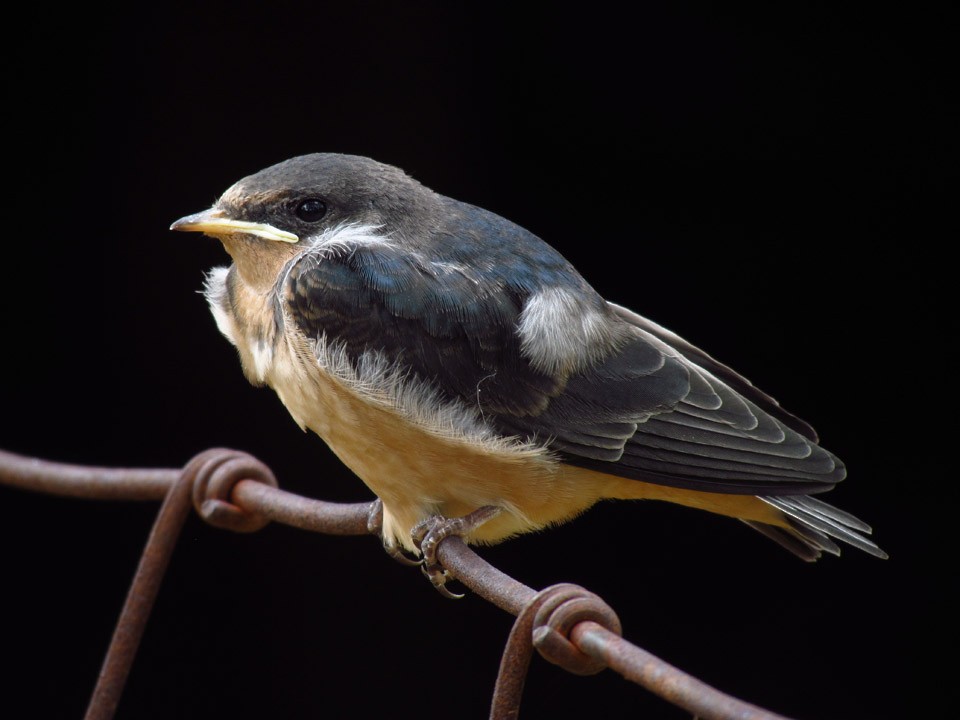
[(443, 322), (643, 407), (730, 436), (677, 424)]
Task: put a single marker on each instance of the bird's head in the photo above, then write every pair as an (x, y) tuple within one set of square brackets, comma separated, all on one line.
[(272, 216)]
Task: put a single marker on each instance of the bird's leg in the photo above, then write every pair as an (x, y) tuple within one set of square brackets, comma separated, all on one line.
[(375, 527), (428, 533)]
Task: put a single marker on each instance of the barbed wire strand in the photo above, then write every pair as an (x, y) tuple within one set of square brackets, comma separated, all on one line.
[(568, 625)]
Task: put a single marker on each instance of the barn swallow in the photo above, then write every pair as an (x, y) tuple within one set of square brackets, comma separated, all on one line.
[(463, 369)]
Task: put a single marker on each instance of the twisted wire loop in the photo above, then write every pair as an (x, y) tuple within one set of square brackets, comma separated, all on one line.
[(564, 607), (216, 472), (544, 624)]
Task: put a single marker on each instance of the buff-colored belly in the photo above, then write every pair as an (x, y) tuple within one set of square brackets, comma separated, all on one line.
[(419, 471)]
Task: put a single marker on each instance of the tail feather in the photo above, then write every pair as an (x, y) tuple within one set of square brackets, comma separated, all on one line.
[(800, 546), (835, 513), (812, 525)]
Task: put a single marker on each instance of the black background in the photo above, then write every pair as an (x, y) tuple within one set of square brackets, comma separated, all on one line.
[(767, 183)]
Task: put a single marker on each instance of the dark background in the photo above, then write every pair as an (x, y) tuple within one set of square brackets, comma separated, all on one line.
[(767, 183)]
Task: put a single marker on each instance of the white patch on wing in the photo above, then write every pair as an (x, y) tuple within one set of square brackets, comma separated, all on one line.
[(559, 333)]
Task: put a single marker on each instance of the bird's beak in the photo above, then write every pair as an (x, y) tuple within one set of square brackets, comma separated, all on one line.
[(213, 222)]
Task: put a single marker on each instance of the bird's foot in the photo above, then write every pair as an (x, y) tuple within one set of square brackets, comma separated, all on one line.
[(375, 527), (428, 534)]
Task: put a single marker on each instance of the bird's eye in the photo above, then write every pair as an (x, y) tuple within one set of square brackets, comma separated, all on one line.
[(311, 210)]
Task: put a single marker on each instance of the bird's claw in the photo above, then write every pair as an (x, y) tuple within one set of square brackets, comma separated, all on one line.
[(402, 558), (375, 527), (438, 578), (428, 534)]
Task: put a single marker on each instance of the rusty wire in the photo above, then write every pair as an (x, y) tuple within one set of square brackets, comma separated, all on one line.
[(566, 624)]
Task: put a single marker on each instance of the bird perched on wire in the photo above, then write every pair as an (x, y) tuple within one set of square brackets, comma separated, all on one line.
[(463, 369)]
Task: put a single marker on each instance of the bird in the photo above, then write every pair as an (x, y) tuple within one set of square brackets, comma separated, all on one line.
[(476, 382)]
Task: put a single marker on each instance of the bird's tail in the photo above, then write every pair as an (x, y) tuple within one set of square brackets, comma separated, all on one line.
[(813, 525)]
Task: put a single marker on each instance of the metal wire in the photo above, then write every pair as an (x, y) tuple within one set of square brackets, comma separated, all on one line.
[(568, 625)]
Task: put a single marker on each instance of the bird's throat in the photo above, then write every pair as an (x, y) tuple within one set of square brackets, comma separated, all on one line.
[(258, 262)]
